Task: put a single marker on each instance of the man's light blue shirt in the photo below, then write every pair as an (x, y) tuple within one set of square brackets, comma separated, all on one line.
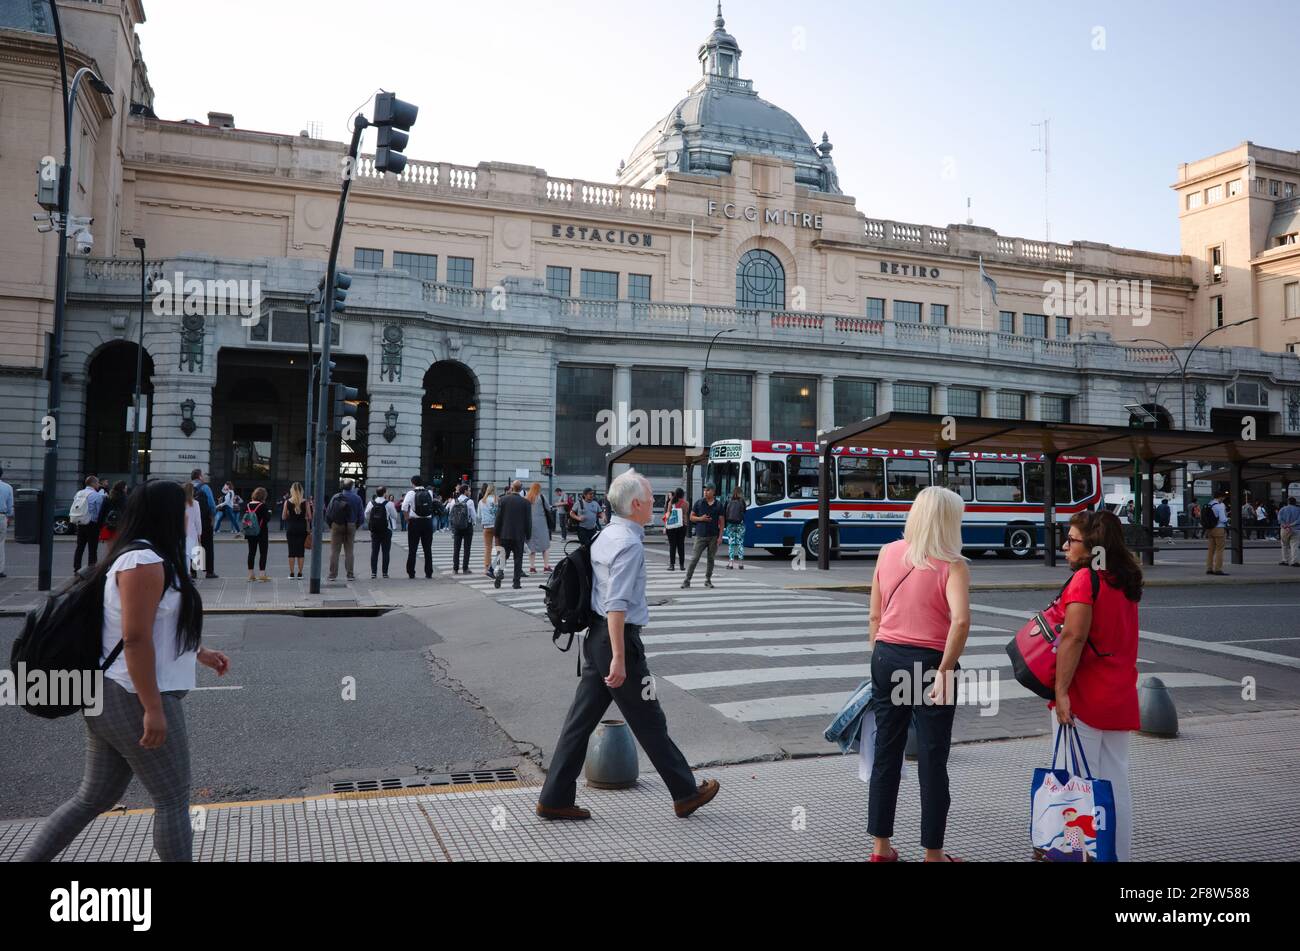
[(618, 571), (1287, 515), (94, 504), (6, 499), (1220, 510)]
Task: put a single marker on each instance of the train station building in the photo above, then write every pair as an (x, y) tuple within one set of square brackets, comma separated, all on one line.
[(498, 310)]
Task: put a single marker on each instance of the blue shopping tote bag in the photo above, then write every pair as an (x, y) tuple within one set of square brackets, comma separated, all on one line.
[(1072, 814)]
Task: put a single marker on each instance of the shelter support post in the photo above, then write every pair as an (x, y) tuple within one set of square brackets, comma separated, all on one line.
[(1148, 513), (1236, 496), (1049, 510), (824, 510)]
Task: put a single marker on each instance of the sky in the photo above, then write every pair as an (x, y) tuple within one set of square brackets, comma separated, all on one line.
[(927, 103)]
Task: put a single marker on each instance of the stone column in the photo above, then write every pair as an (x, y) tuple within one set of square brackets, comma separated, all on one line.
[(1034, 407), (622, 408), (762, 408), (393, 463), (941, 399), (990, 402), (884, 396), (693, 408), (826, 403)]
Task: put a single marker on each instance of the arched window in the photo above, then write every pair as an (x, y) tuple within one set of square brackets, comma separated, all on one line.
[(760, 281)]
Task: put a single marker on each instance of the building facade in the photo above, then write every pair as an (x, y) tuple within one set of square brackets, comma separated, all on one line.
[(497, 311)]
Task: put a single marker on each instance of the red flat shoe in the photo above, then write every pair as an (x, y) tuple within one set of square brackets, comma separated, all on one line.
[(891, 857)]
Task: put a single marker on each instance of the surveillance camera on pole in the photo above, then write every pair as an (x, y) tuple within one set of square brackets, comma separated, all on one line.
[(392, 115)]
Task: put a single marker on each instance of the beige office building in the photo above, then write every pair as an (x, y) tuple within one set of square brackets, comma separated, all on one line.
[(497, 309)]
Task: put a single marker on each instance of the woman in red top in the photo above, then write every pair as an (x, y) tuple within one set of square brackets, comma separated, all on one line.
[(1096, 690)]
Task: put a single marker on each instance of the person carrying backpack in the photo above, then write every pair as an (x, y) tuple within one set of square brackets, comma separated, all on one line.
[(418, 506), (487, 519), (84, 514), (255, 523), (1214, 519), (344, 515), (381, 519), (735, 528), (613, 663), (461, 516), (144, 618)]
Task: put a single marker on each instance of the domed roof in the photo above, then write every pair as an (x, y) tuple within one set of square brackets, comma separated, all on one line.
[(722, 116)]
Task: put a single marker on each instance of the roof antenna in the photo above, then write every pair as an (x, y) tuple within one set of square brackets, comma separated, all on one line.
[(969, 219)]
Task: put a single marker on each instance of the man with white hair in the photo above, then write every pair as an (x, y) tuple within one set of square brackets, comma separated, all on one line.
[(614, 665)]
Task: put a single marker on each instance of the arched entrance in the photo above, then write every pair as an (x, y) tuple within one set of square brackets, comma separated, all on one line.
[(110, 391), (447, 425)]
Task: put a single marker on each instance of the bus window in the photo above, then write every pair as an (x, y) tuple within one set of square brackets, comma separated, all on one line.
[(803, 476), (861, 478), (1034, 483), (907, 477), (998, 482), (723, 475), (769, 481), (959, 478), (1081, 476)]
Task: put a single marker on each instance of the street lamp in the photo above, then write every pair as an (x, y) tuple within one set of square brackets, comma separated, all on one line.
[(50, 476), (1185, 363), (139, 372)]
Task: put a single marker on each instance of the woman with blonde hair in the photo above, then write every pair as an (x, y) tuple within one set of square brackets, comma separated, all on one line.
[(543, 518), (920, 617), (487, 520), (297, 520)]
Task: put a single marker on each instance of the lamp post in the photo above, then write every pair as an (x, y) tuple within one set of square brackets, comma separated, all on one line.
[(50, 475), (704, 383), (139, 372)]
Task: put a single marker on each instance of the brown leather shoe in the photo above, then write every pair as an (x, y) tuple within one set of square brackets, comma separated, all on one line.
[(563, 812), (706, 791)]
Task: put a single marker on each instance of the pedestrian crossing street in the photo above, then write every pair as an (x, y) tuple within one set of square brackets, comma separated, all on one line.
[(757, 652)]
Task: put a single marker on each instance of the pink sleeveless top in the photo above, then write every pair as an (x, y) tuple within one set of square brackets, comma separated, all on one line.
[(915, 605)]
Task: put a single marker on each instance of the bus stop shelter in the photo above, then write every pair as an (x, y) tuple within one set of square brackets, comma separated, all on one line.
[(687, 456), (1154, 449)]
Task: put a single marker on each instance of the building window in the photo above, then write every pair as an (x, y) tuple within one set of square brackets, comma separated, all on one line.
[(368, 259), (600, 285), (1247, 393), (460, 272), (1261, 186), (559, 281), (1234, 188), (659, 394), (1193, 200), (423, 267), (907, 312), (1062, 328), (875, 308), (1216, 308), (580, 394), (963, 401), (1011, 405), (1291, 297), (760, 281), (638, 287), (1035, 325), (854, 400), (938, 314), (792, 407), (1291, 348), (1216, 264), (1214, 194), (1055, 409), (1007, 321), (1274, 187), (729, 407), (911, 397), (1288, 190)]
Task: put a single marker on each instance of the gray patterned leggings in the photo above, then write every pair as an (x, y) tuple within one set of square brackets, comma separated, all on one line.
[(113, 755)]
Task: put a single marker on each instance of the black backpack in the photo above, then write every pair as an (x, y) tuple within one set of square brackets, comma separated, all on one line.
[(568, 594), (423, 503), (64, 636), (1209, 518), (378, 516), (338, 512), (460, 519)]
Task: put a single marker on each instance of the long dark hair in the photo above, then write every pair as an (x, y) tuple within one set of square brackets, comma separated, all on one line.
[(155, 512), (1103, 530)]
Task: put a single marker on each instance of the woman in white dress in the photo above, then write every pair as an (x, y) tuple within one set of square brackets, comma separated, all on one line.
[(193, 528)]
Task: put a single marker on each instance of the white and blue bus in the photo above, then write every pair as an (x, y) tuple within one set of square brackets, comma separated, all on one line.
[(872, 489)]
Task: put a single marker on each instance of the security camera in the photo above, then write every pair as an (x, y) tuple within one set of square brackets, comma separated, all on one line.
[(83, 240)]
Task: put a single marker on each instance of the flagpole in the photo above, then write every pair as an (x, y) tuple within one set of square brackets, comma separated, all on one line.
[(691, 298), (981, 279)]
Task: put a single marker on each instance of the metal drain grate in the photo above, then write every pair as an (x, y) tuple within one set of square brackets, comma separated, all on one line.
[(477, 776)]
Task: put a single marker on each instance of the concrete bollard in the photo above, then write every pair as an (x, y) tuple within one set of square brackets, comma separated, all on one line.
[(1157, 714), (611, 757)]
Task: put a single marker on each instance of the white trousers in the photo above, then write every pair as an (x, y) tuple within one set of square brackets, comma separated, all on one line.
[(4, 530), (1107, 755)]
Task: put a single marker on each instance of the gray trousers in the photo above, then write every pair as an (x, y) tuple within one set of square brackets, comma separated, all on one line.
[(703, 545), (637, 702), (113, 756)]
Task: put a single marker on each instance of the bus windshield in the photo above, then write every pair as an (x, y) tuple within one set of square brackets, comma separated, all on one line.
[(724, 476)]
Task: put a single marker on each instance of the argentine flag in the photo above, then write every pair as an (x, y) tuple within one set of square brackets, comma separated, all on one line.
[(993, 286)]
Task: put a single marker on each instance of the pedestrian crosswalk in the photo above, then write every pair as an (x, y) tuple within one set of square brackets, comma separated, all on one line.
[(760, 653)]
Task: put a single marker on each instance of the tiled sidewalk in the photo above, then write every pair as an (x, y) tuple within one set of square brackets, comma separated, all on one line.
[(1223, 791)]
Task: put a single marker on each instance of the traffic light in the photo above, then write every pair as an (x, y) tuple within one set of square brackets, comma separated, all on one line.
[(393, 117), (341, 284), (343, 410), (546, 465)]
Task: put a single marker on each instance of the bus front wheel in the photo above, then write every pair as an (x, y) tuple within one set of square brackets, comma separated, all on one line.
[(812, 544), (1020, 541)]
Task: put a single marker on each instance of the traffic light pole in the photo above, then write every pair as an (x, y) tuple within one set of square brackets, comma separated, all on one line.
[(320, 431), (309, 469)]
